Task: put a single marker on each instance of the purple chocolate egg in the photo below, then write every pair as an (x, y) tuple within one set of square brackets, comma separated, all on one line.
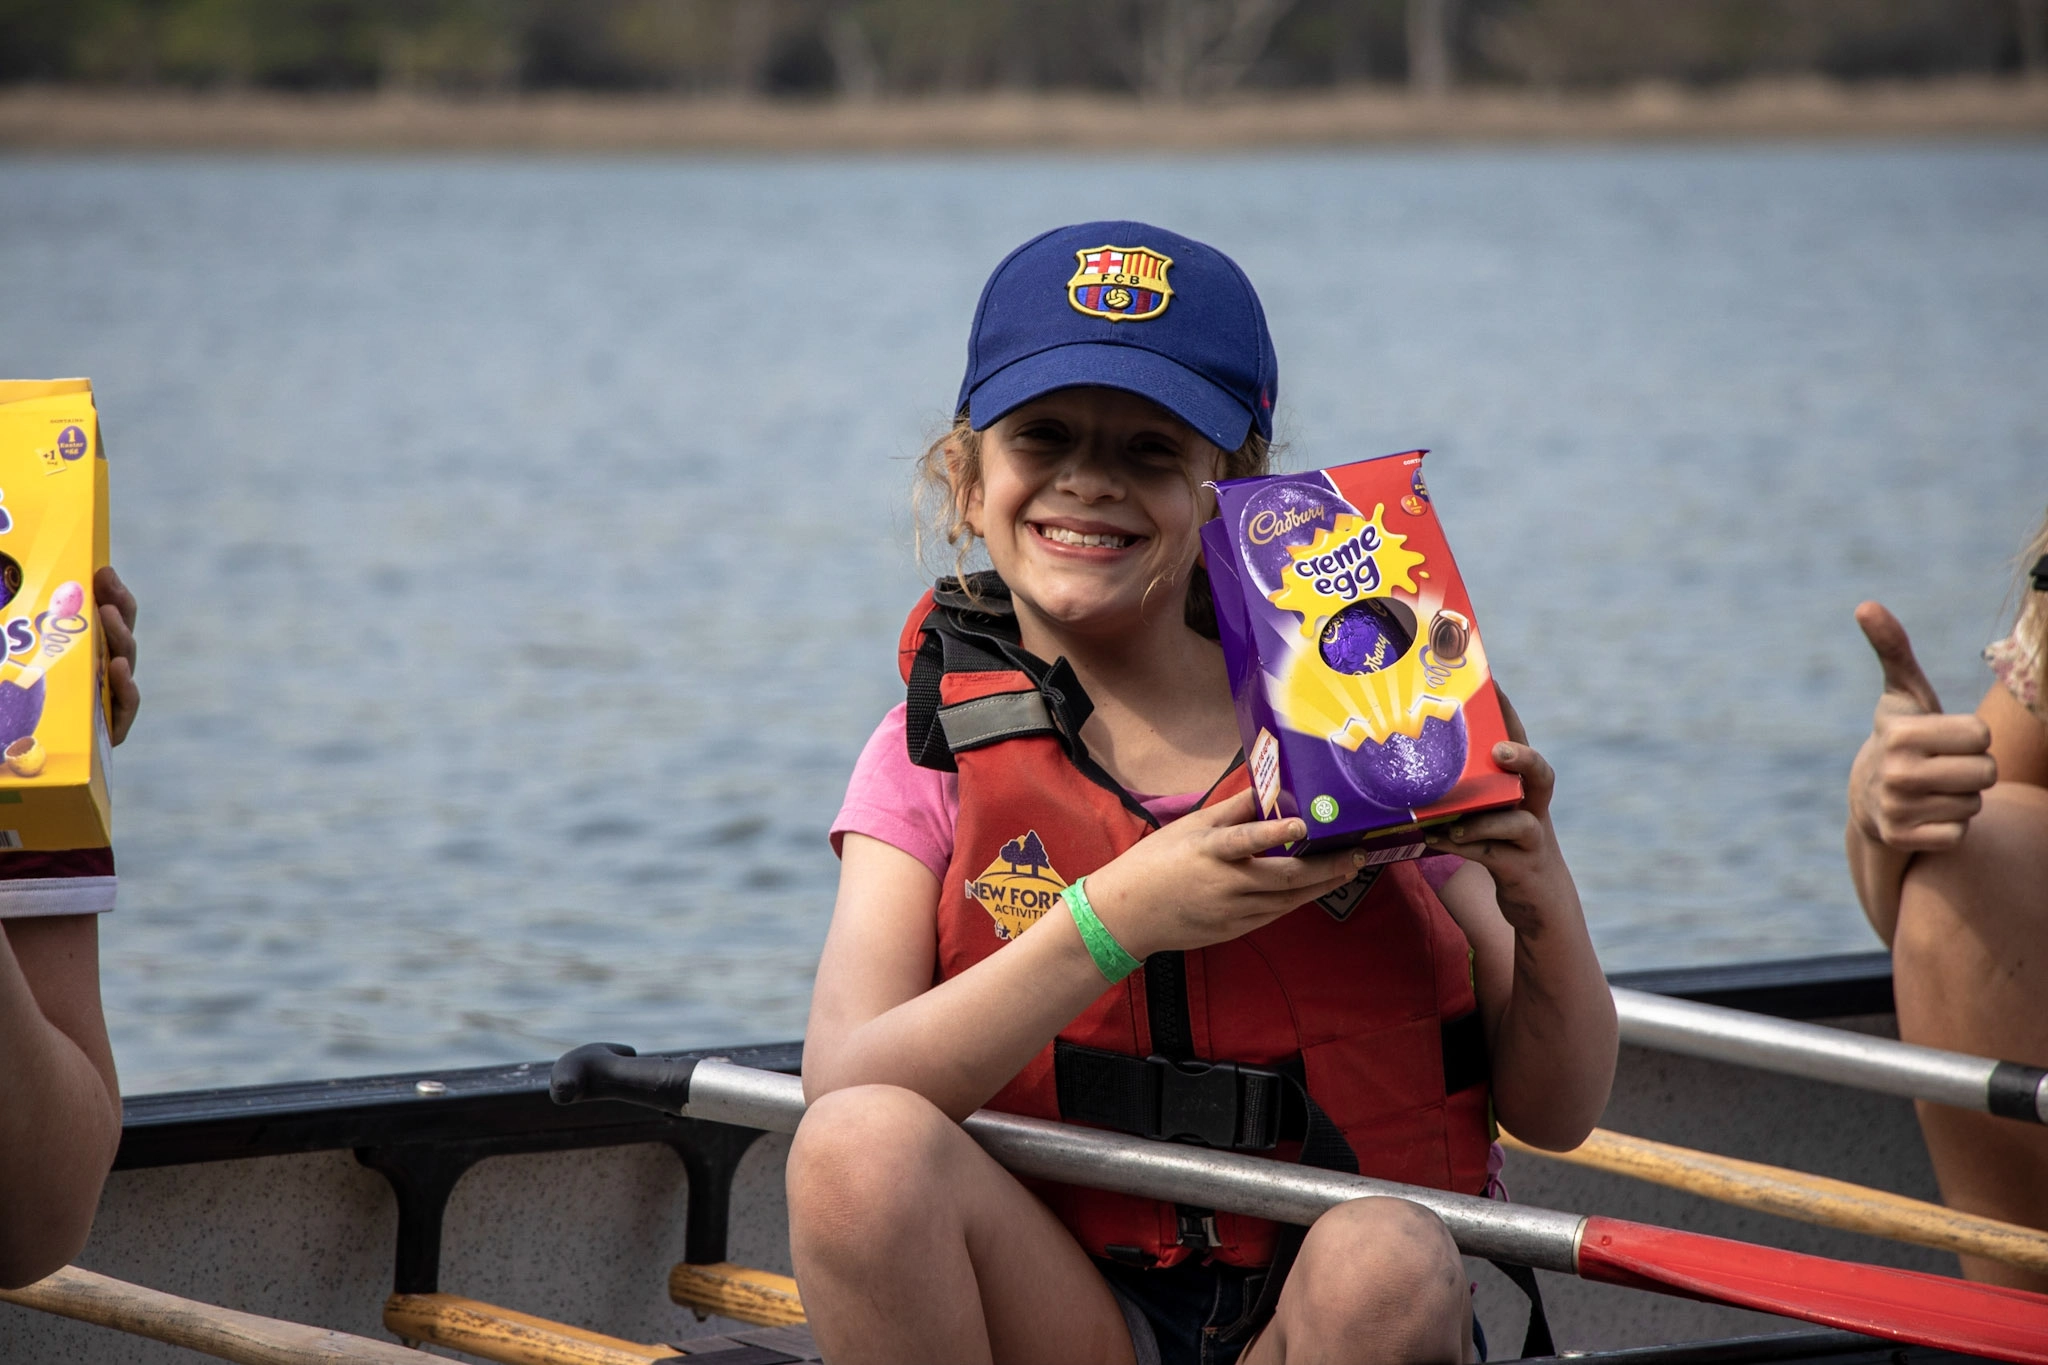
[(21, 710), (1407, 773), (1284, 514), (1366, 636)]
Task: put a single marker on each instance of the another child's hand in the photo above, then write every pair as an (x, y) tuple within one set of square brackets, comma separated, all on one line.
[(1517, 846), (117, 619), (1199, 880), (1921, 775)]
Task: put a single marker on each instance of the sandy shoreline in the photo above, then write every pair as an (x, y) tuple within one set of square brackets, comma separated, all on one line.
[(61, 119)]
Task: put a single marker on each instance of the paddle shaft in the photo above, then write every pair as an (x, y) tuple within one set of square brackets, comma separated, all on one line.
[(1181, 1174), (1806, 1198), (204, 1327), (1719, 1034)]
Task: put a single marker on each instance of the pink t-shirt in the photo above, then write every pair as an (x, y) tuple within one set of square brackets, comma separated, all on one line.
[(915, 809)]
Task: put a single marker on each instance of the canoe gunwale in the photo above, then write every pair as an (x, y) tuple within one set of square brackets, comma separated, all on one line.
[(1835, 986), (508, 1103), (1825, 1347), (176, 1127)]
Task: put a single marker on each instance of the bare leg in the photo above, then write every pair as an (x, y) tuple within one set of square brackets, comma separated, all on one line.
[(1378, 1281), (911, 1245), (1970, 965)]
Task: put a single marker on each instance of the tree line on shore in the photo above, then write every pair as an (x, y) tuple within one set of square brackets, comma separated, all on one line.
[(869, 49)]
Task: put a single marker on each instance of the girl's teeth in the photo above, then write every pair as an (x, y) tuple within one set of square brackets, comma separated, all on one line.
[(1066, 537)]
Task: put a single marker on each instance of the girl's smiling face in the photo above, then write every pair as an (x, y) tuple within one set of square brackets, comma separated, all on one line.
[(1088, 502)]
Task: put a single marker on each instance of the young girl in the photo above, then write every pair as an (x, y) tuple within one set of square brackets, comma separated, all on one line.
[(1062, 798)]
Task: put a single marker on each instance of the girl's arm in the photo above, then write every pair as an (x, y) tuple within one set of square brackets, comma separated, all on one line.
[(877, 1017), (61, 1120), (1549, 1016)]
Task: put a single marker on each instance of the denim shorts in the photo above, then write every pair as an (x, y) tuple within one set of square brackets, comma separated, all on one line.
[(1192, 1314), (1196, 1314)]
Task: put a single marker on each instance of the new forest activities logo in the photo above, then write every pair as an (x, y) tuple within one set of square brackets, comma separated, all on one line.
[(1019, 886), (1120, 283)]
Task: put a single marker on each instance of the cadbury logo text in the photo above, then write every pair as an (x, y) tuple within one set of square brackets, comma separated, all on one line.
[(1269, 525)]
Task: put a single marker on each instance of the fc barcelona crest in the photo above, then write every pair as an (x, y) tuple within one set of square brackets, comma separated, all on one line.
[(1121, 283)]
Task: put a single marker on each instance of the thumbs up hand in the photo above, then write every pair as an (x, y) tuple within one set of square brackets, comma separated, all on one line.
[(1920, 776)]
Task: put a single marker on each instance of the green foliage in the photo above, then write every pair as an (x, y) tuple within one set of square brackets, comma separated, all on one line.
[(1336, 42), (1578, 42), (911, 47), (38, 37)]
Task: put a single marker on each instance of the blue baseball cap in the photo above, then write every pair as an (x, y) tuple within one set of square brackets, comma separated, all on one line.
[(1124, 306)]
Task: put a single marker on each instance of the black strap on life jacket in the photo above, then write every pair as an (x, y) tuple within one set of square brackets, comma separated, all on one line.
[(1232, 1106), (1176, 1095), (1536, 1339), (973, 629), (1226, 1105), (1464, 1063)]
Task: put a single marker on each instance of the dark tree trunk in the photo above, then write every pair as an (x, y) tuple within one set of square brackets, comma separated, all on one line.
[(1432, 55)]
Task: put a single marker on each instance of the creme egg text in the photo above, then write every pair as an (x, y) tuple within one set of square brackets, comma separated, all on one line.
[(1347, 572)]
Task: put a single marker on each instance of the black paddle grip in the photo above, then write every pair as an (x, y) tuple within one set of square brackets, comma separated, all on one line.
[(612, 1071), (2014, 1092)]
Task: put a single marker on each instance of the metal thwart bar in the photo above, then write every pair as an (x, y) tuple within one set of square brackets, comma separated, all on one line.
[(1829, 1054), (1183, 1174)]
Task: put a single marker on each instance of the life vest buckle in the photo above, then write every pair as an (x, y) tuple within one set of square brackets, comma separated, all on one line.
[(1198, 1229), (1224, 1105)]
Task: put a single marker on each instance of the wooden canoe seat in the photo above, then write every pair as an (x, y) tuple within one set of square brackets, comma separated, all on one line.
[(736, 1291), (514, 1338)]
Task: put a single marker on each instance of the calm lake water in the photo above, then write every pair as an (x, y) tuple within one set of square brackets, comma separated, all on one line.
[(522, 542)]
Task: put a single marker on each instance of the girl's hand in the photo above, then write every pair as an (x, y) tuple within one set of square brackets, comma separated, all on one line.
[(1199, 880), (1517, 846), (1920, 776)]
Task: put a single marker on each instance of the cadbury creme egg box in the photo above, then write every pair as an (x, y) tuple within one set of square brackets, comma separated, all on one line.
[(1361, 685), (53, 538)]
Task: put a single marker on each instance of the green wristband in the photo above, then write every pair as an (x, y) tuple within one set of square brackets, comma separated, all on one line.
[(1110, 958)]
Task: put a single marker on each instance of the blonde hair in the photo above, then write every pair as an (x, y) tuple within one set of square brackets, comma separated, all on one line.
[(950, 469), (2030, 627)]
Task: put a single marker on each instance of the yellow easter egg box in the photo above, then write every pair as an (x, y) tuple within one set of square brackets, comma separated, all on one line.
[(53, 538)]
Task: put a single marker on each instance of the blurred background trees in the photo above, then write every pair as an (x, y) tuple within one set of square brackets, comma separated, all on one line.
[(865, 49)]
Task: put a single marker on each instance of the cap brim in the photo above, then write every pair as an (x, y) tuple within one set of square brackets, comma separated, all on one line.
[(1206, 407)]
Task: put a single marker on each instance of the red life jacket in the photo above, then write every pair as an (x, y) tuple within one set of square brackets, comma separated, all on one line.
[(1344, 1034)]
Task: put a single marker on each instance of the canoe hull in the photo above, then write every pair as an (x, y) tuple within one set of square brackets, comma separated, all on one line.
[(586, 1234)]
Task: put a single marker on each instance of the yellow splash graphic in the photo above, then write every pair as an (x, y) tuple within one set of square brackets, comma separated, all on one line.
[(1353, 560), (1357, 559), (1349, 708)]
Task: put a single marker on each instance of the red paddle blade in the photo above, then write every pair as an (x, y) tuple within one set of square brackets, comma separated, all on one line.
[(1905, 1305)]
